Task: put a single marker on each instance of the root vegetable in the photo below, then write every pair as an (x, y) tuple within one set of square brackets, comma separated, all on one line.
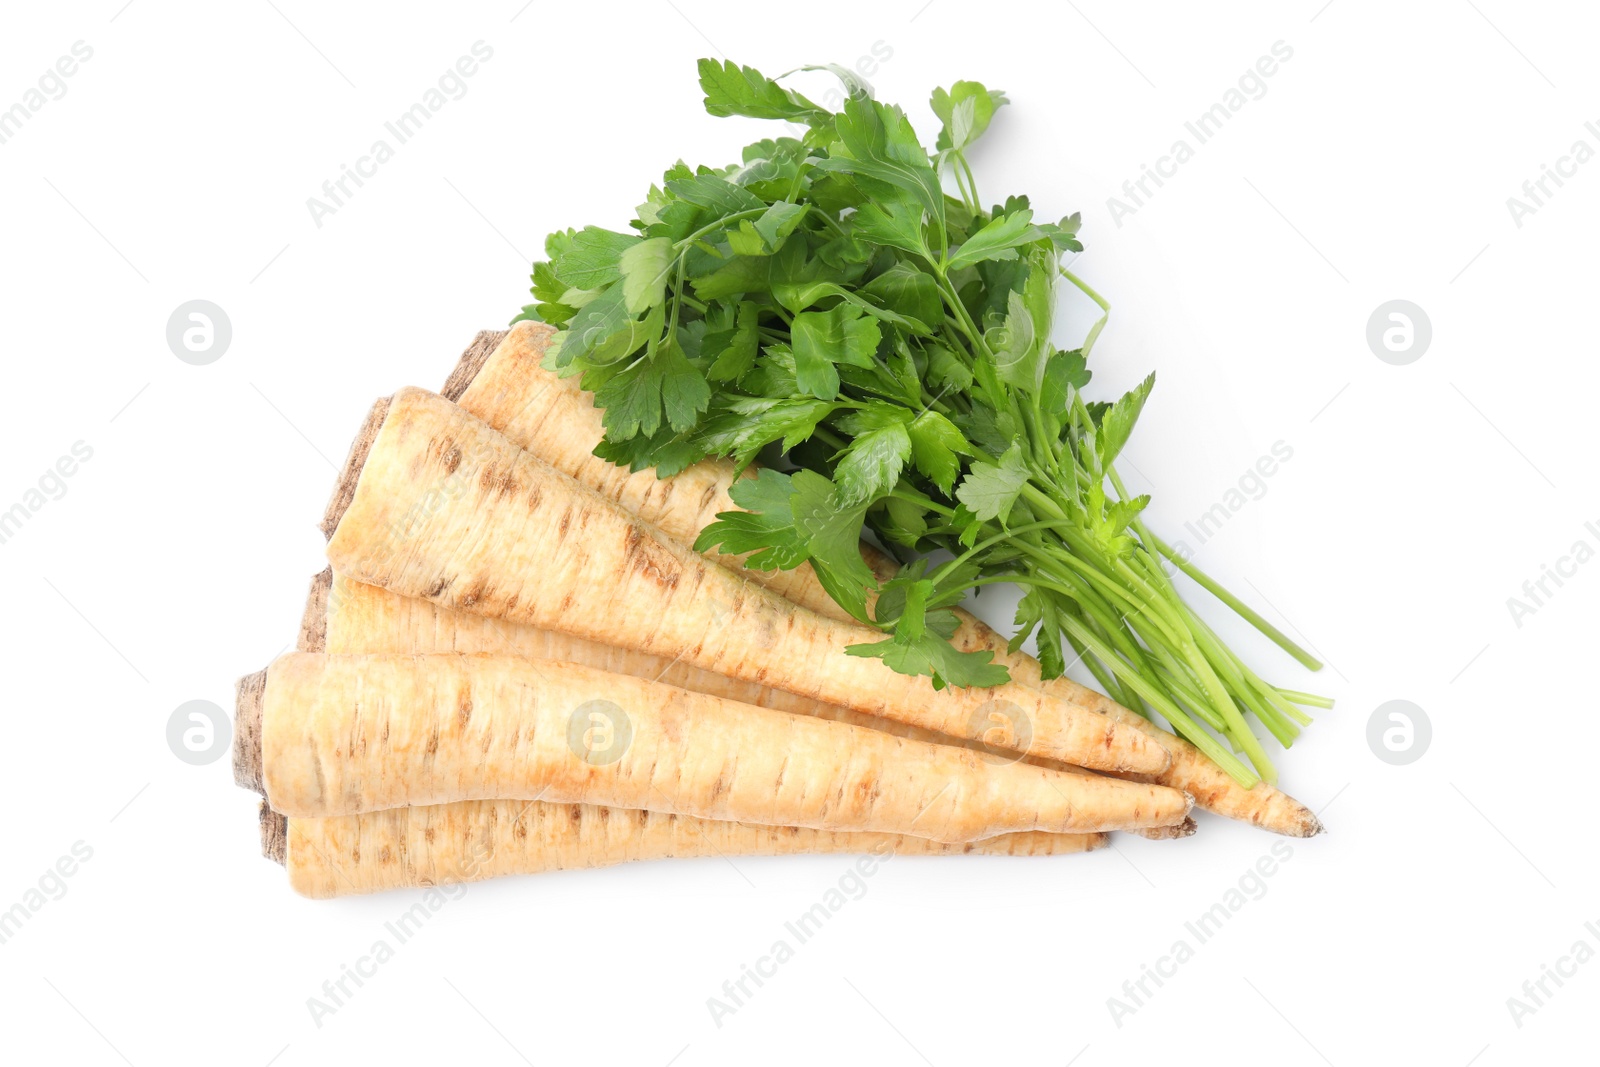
[(446, 508), (344, 617), (353, 617), (347, 617), (471, 840), (343, 735), (499, 379), (477, 839)]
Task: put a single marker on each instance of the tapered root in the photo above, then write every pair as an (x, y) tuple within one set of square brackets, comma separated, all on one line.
[(473, 840)]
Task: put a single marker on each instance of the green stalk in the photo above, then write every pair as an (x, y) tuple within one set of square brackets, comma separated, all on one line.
[(1220, 702), (1310, 700), (1101, 581), (1277, 715), (1238, 730), (1238, 680), (1105, 309), (1174, 715), (1218, 695), (972, 183), (1244, 610), (1247, 679), (1172, 672), (1102, 674), (1079, 595)]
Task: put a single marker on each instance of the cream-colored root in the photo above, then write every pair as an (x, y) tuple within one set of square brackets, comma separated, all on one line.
[(344, 735), (344, 616), (473, 840)]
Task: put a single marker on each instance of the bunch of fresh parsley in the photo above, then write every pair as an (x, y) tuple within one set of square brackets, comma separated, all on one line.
[(826, 304)]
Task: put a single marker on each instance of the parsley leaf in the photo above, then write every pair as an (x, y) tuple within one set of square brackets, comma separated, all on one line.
[(871, 466), (664, 381), (909, 293), (1064, 372), (991, 489), (877, 141), (743, 426), (765, 528), (591, 258), (644, 268), (997, 240), (833, 541), (793, 519), (1116, 425), (713, 191), (733, 349), (822, 339), (1016, 348), (763, 236), (601, 332), (964, 113), (896, 222), (932, 654), (935, 444), (734, 90)]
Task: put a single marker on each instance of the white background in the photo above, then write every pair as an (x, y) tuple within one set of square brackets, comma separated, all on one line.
[(1419, 498)]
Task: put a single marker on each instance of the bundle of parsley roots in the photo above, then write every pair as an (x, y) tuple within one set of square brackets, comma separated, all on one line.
[(885, 349)]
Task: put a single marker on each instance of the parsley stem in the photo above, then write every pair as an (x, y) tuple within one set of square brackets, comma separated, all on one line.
[(829, 437), (950, 565), (968, 327), (911, 496), (1075, 562), (972, 183), (1217, 695), (677, 287), (968, 200), (1174, 715), (1105, 309), (1040, 502), (1181, 683), (833, 223), (1249, 614), (1310, 700), (1105, 676), (681, 246)]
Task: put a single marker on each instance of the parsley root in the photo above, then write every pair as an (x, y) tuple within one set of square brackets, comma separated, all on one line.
[(346, 735), (470, 840), (347, 617), (476, 839)]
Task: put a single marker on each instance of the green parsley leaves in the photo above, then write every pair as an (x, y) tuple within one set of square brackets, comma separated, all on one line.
[(884, 347)]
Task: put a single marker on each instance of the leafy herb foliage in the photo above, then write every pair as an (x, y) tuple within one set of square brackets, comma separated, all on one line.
[(885, 347)]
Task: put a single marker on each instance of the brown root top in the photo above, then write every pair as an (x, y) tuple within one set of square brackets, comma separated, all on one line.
[(344, 490), (314, 623), (274, 835), (247, 766), (471, 362)]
